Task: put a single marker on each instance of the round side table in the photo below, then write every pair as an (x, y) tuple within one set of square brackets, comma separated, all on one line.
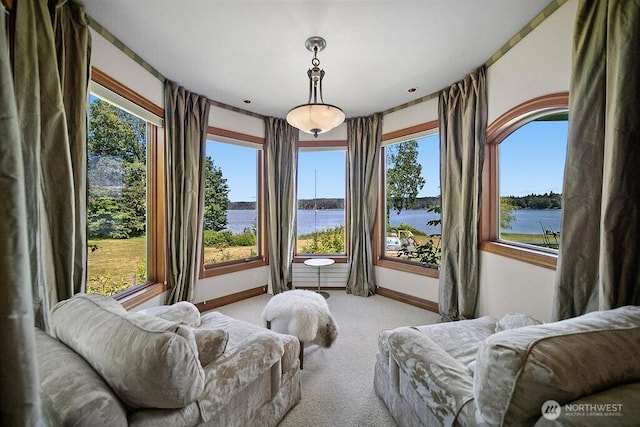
[(319, 262)]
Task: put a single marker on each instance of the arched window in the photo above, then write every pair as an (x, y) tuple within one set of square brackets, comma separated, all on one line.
[(522, 180)]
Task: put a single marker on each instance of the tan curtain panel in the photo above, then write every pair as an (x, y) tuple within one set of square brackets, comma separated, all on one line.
[(19, 398), (186, 118), (463, 122), (51, 69), (600, 249), (73, 49), (364, 137), (43, 176), (281, 164)]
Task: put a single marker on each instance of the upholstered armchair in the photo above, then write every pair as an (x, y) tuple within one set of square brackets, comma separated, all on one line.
[(104, 366), (512, 371)]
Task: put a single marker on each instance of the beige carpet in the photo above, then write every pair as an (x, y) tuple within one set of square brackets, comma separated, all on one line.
[(337, 383)]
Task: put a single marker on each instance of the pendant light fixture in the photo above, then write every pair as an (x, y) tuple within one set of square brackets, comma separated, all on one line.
[(315, 117)]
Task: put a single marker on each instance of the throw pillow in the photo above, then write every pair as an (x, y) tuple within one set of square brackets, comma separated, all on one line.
[(515, 320), (211, 344), (518, 370), (147, 361), (183, 312)]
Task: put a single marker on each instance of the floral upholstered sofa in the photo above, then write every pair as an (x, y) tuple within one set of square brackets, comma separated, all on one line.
[(165, 366), (484, 372)]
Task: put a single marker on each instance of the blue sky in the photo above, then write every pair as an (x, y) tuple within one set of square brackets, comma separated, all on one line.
[(238, 166), (330, 168), (531, 161), (429, 158)]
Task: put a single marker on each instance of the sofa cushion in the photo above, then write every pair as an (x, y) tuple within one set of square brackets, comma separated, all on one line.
[(519, 369), (183, 312), (460, 339), (72, 393), (211, 344), (239, 331), (515, 320), (147, 361), (428, 377), (617, 406)]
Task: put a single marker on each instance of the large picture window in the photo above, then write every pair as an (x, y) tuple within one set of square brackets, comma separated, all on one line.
[(231, 203), (117, 199), (412, 200), (321, 202)]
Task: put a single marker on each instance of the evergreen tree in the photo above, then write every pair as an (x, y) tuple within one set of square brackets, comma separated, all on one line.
[(116, 172), (216, 197)]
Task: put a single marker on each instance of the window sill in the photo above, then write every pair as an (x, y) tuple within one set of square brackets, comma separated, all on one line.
[(212, 270), (408, 267), (338, 259), (530, 256), (134, 299)]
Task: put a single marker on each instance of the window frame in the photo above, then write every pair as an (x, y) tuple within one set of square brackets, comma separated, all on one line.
[(329, 145), (379, 247), (156, 282), (262, 258), (497, 132)]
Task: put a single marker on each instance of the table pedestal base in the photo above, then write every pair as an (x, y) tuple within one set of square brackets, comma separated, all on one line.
[(319, 262), (324, 294)]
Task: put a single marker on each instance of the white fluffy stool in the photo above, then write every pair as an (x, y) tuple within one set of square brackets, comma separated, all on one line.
[(303, 314)]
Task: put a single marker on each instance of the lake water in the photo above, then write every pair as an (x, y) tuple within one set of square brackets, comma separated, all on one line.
[(526, 221)]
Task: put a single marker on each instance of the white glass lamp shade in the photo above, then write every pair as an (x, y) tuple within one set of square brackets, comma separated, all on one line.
[(315, 118)]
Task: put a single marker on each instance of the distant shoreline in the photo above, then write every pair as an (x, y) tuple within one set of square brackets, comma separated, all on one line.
[(527, 221)]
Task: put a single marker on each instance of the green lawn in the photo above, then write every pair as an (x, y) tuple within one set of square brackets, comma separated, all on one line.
[(116, 264), (532, 239)]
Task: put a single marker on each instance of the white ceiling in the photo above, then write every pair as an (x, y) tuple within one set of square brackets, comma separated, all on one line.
[(230, 51)]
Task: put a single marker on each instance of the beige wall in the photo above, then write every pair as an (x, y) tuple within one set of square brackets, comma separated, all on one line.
[(117, 65), (510, 286), (538, 65), (109, 59), (408, 283), (411, 116)]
